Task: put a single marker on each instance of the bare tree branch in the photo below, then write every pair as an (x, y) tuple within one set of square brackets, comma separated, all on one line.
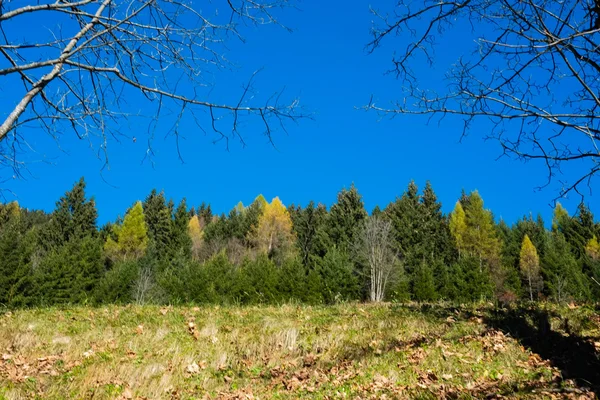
[(105, 63), (533, 76)]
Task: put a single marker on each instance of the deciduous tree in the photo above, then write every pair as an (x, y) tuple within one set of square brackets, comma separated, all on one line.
[(530, 266)]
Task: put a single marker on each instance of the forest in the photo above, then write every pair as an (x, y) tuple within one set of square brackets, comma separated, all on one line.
[(268, 253)]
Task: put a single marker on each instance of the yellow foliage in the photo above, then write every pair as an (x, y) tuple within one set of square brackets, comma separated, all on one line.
[(196, 234), (458, 225), (274, 230), (529, 262), (593, 249)]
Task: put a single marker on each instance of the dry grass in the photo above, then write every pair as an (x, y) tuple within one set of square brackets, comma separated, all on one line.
[(345, 351)]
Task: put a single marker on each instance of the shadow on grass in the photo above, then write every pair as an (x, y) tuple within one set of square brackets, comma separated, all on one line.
[(576, 357)]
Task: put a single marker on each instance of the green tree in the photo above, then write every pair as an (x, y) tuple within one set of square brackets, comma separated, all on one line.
[(481, 239), (181, 242), (345, 218), (310, 229), (69, 274), (338, 281), (132, 237), (158, 217), (561, 271), (73, 218)]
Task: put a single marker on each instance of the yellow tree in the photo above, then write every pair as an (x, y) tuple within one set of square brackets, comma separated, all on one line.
[(529, 262), (273, 232), (592, 249), (480, 239), (132, 236), (458, 226), (9, 211), (197, 236)]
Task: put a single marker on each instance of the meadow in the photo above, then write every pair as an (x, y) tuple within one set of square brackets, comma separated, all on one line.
[(354, 351)]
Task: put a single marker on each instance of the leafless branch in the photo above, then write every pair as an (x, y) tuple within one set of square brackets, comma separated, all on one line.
[(533, 77), (104, 63)]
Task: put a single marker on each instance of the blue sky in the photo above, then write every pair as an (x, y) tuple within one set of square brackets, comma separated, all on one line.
[(324, 64)]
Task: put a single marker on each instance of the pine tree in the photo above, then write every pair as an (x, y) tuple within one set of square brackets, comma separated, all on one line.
[(530, 266)]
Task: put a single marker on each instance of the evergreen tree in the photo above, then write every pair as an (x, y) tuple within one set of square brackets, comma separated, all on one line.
[(345, 218), (423, 283), (70, 273), (310, 231), (562, 273), (181, 242), (338, 282), (74, 218), (157, 215)]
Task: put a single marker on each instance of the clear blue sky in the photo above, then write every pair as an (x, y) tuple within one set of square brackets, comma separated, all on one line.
[(324, 64)]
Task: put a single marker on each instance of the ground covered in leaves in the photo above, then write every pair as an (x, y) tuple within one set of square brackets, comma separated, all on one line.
[(352, 351)]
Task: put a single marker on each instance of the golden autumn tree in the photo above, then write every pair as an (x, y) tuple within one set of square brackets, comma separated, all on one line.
[(197, 236), (273, 233), (132, 236), (592, 249), (458, 226), (529, 262)]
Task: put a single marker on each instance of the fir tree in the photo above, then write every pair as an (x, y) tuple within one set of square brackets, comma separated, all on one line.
[(74, 218), (345, 218), (181, 242), (338, 282), (157, 215), (309, 228)]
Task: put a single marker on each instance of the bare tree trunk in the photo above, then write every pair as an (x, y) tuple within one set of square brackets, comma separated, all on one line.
[(374, 247)]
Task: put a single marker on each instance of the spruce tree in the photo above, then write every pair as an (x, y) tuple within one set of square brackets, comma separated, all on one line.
[(181, 242), (562, 273), (345, 218), (338, 281), (310, 229), (73, 218), (157, 214)]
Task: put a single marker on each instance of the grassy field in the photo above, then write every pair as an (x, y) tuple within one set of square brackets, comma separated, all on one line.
[(352, 351)]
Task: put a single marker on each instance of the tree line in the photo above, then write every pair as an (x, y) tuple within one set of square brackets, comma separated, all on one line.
[(160, 252)]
